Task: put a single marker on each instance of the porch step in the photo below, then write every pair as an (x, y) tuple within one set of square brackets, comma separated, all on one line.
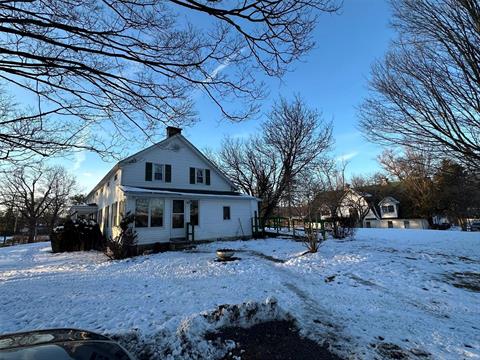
[(181, 246)]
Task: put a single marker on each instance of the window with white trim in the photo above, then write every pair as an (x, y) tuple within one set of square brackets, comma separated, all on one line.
[(226, 213), (156, 212), (141, 213), (149, 212), (158, 171), (386, 209), (199, 176)]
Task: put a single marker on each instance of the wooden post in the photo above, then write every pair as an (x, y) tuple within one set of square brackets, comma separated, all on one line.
[(254, 219)]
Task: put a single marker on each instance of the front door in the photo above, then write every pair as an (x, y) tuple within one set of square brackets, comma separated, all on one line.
[(178, 219)]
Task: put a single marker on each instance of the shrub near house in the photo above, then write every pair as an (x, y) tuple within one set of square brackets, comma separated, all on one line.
[(77, 235)]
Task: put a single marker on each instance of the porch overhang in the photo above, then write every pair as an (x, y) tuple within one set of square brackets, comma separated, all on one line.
[(184, 193), (76, 211)]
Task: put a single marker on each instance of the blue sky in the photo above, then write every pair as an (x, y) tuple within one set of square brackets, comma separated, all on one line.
[(332, 78)]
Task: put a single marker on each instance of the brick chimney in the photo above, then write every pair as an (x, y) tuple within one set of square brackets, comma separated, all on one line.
[(171, 131)]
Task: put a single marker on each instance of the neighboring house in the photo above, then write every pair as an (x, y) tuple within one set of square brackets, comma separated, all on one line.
[(167, 186), (354, 203), (389, 210), (384, 214), (351, 203)]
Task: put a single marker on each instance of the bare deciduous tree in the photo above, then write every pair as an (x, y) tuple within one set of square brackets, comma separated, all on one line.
[(332, 202), (457, 193), (103, 66), (292, 139), (36, 192), (63, 185), (426, 92), (415, 169)]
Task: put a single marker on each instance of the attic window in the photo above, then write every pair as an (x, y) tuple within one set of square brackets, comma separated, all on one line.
[(115, 177), (199, 176), (157, 172)]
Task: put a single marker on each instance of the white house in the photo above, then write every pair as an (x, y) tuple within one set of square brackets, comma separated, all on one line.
[(176, 194), (354, 203), (388, 216)]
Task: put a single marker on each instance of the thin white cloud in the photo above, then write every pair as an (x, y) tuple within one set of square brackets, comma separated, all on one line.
[(348, 156), (222, 66), (87, 174), (219, 68), (79, 158)]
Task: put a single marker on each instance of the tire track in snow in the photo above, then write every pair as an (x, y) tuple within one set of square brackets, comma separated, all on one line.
[(315, 320)]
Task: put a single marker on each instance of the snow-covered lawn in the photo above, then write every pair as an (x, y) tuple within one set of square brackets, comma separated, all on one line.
[(388, 292)]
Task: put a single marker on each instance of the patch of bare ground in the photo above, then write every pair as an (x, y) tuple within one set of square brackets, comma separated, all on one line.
[(393, 351), (275, 340), (464, 280)]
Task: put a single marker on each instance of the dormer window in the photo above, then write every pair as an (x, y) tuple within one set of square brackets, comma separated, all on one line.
[(386, 209)]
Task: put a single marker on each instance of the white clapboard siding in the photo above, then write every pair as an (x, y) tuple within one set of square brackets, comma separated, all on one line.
[(211, 224), (181, 157)]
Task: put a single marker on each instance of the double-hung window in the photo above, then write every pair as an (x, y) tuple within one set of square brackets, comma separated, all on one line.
[(158, 172), (199, 176)]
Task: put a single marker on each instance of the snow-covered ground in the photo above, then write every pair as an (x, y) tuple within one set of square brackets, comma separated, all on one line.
[(388, 292)]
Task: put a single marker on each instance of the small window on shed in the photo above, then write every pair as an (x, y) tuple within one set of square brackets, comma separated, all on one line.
[(406, 224), (368, 224), (226, 213), (390, 224)]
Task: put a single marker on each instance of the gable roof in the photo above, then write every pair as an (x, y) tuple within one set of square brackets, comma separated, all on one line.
[(389, 199), (165, 141)]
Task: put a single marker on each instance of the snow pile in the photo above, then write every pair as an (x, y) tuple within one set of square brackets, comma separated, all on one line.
[(188, 340)]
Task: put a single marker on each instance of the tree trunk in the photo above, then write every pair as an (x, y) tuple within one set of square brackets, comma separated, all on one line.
[(32, 229)]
